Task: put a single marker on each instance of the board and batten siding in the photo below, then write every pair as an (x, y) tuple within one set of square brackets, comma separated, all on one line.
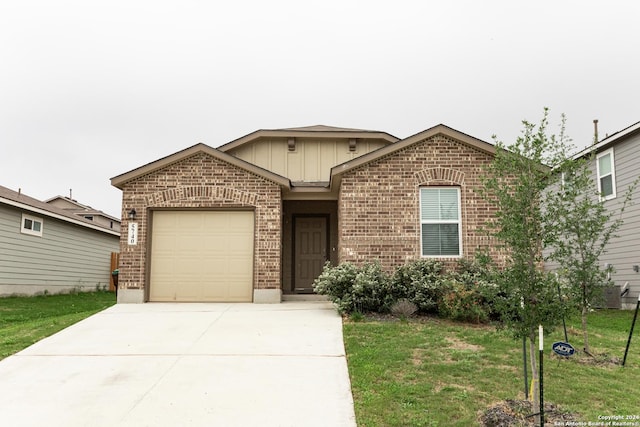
[(311, 161), (66, 257)]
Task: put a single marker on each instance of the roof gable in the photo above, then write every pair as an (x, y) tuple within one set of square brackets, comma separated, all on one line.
[(429, 133), (324, 128), (309, 131), (120, 180)]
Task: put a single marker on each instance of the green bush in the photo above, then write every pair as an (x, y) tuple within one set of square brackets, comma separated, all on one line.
[(469, 292), (370, 291), (355, 289), (463, 302), (419, 281), (466, 294), (336, 283)]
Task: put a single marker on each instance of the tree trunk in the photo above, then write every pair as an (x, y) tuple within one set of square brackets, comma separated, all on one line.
[(534, 376), (585, 311)]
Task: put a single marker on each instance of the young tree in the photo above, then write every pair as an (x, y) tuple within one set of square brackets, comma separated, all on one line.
[(579, 228), (515, 184)]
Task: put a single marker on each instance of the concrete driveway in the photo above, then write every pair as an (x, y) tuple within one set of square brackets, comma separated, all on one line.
[(185, 365)]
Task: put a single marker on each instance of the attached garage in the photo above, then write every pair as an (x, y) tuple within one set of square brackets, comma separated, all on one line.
[(201, 256)]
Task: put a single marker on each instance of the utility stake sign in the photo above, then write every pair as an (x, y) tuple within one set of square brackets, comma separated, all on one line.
[(563, 349)]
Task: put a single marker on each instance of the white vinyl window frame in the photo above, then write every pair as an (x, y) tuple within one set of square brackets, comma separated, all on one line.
[(444, 220), (606, 172), (31, 225)]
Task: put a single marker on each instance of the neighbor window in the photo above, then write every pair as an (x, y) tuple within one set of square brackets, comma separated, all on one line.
[(440, 221), (31, 225), (606, 175)]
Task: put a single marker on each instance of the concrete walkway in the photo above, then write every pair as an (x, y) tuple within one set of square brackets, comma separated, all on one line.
[(185, 365)]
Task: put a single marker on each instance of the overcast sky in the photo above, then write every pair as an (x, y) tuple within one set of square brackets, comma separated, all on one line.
[(90, 90)]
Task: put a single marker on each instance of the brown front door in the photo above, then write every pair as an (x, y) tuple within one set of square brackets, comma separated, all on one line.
[(310, 250)]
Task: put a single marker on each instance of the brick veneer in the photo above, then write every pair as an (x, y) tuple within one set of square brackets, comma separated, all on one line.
[(379, 212), (202, 181)]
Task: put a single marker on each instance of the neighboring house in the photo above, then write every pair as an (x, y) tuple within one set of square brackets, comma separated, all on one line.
[(258, 217), (616, 168), (87, 212), (45, 248)]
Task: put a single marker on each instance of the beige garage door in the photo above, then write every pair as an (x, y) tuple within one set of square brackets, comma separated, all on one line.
[(204, 256)]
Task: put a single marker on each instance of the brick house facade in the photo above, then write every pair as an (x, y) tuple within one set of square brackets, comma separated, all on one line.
[(379, 207), (307, 196)]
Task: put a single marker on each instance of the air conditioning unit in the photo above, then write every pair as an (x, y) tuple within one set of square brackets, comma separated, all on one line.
[(612, 297)]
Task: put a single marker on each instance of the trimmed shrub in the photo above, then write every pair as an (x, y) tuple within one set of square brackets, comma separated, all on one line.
[(419, 281), (355, 289), (470, 292), (370, 291), (464, 303), (336, 283), (467, 294)]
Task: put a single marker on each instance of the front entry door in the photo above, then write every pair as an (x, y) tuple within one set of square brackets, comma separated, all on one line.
[(310, 250)]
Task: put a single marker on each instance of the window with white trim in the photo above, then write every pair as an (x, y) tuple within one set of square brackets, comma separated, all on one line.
[(606, 174), (31, 225), (440, 224)]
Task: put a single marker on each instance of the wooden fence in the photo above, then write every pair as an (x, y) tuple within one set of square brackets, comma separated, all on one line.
[(115, 261)]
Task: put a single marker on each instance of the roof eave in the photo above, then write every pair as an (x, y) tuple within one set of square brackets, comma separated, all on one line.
[(609, 141), (121, 180), (50, 214), (440, 129), (283, 133)]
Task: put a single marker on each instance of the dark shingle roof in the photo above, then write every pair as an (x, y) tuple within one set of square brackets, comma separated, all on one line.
[(6, 194)]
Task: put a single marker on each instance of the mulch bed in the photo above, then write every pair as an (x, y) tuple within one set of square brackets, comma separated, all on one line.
[(519, 413)]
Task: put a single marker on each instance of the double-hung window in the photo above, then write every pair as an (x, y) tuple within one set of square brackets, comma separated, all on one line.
[(606, 175), (440, 224)]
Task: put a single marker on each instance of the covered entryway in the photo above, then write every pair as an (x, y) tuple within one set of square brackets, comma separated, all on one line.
[(201, 256), (311, 234)]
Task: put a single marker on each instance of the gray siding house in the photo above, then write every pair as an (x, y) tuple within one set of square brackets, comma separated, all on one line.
[(87, 212), (615, 168), (45, 248)]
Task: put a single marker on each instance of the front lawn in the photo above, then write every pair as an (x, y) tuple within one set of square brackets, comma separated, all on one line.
[(26, 320), (432, 372)]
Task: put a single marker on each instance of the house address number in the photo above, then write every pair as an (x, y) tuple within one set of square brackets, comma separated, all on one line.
[(133, 233)]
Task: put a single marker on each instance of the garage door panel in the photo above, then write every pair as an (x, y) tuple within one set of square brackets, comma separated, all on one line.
[(186, 267), (163, 266), (167, 219), (237, 292), (217, 290), (164, 241), (237, 266), (164, 291), (239, 244), (216, 267), (188, 290), (202, 256)]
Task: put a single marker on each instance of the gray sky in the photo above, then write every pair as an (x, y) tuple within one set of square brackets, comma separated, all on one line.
[(90, 90)]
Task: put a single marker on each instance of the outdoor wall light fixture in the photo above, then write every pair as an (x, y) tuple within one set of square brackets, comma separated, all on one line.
[(132, 214)]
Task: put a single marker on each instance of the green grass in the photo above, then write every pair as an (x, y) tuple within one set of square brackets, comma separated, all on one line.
[(26, 320), (421, 372), (431, 372)]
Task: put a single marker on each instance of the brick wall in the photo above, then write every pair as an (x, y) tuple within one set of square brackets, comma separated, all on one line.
[(379, 202), (202, 181)]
